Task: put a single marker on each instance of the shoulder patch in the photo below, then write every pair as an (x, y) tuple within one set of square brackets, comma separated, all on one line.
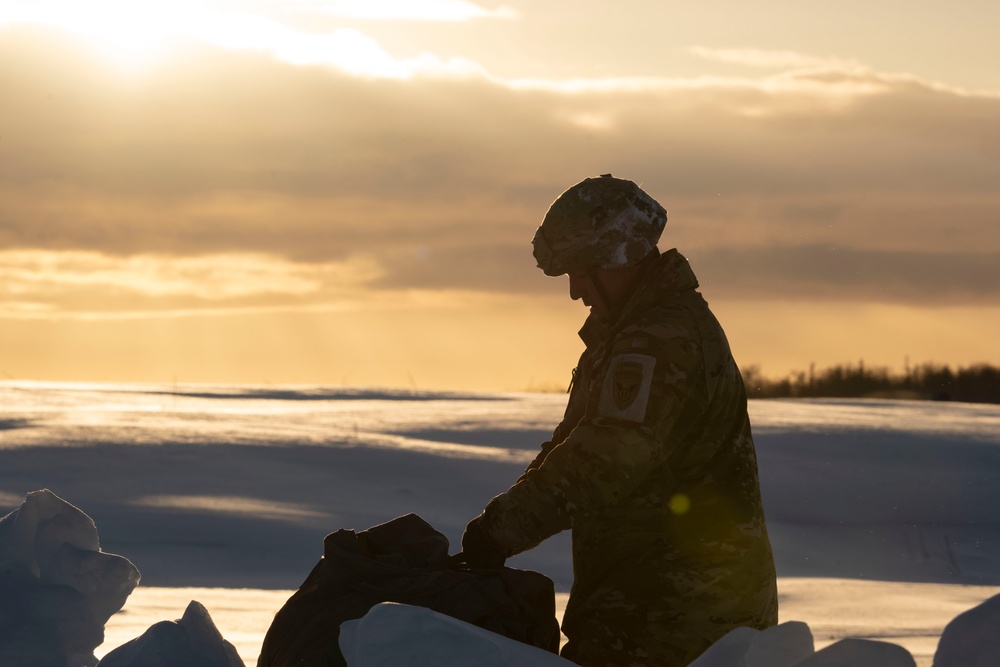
[(625, 392)]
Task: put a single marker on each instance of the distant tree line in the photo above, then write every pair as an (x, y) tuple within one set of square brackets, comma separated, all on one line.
[(979, 383)]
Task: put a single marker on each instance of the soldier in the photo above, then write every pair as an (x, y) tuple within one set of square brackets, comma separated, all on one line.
[(653, 466)]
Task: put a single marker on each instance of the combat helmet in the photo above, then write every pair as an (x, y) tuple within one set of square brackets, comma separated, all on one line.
[(602, 222)]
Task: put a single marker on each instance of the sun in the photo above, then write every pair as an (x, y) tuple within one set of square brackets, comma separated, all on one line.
[(130, 33), (133, 33)]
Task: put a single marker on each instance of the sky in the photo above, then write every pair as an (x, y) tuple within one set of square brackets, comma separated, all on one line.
[(344, 192)]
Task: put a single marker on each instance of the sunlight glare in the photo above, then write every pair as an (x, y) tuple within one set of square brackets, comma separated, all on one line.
[(219, 276), (346, 49), (128, 33), (233, 505), (132, 34), (416, 10)]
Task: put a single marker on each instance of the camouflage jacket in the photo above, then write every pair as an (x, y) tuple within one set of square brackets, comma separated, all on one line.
[(654, 469)]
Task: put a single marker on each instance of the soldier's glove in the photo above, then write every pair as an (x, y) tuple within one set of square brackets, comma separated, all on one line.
[(479, 549)]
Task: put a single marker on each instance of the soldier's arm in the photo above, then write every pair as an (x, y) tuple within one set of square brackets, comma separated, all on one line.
[(651, 398), (574, 413)]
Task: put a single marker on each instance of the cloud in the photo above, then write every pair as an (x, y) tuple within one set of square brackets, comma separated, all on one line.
[(774, 59), (86, 285), (825, 272), (210, 277), (439, 183), (130, 32), (345, 49), (46, 284), (412, 10)]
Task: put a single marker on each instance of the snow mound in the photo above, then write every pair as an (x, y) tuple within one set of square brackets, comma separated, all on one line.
[(784, 645), (860, 653), (192, 641), (791, 645), (400, 635), (57, 588)]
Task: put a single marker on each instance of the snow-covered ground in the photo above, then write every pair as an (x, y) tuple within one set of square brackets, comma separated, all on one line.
[(881, 512)]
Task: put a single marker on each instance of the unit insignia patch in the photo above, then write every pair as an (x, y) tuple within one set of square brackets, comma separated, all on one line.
[(625, 392)]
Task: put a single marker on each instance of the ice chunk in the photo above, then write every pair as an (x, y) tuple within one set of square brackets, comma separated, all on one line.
[(192, 641), (728, 651), (781, 646), (400, 635), (860, 653), (57, 588), (40, 526)]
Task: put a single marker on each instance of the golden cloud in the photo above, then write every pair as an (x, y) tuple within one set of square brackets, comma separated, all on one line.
[(210, 277), (440, 183)]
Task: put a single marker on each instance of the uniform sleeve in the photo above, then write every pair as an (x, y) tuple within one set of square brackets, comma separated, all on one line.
[(652, 394)]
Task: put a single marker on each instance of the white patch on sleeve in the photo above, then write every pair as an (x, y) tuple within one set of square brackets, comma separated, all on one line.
[(625, 392)]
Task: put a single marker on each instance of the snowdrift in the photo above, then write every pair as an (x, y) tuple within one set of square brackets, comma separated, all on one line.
[(57, 590)]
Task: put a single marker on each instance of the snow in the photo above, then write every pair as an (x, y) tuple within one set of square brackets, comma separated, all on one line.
[(191, 641), (881, 512), (56, 579), (399, 635), (783, 645)]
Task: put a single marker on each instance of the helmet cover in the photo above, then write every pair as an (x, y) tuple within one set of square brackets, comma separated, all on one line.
[(602, 222)]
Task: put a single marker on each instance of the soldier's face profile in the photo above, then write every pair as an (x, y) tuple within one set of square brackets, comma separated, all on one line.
[(581, 288), (616, 283)]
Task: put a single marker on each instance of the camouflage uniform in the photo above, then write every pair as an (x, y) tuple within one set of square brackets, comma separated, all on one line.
[(654, 470)]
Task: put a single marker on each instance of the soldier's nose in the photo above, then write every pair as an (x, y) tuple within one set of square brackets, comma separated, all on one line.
[(577, 287)]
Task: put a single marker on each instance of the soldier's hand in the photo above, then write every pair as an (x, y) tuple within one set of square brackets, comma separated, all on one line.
[(479, 549)]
